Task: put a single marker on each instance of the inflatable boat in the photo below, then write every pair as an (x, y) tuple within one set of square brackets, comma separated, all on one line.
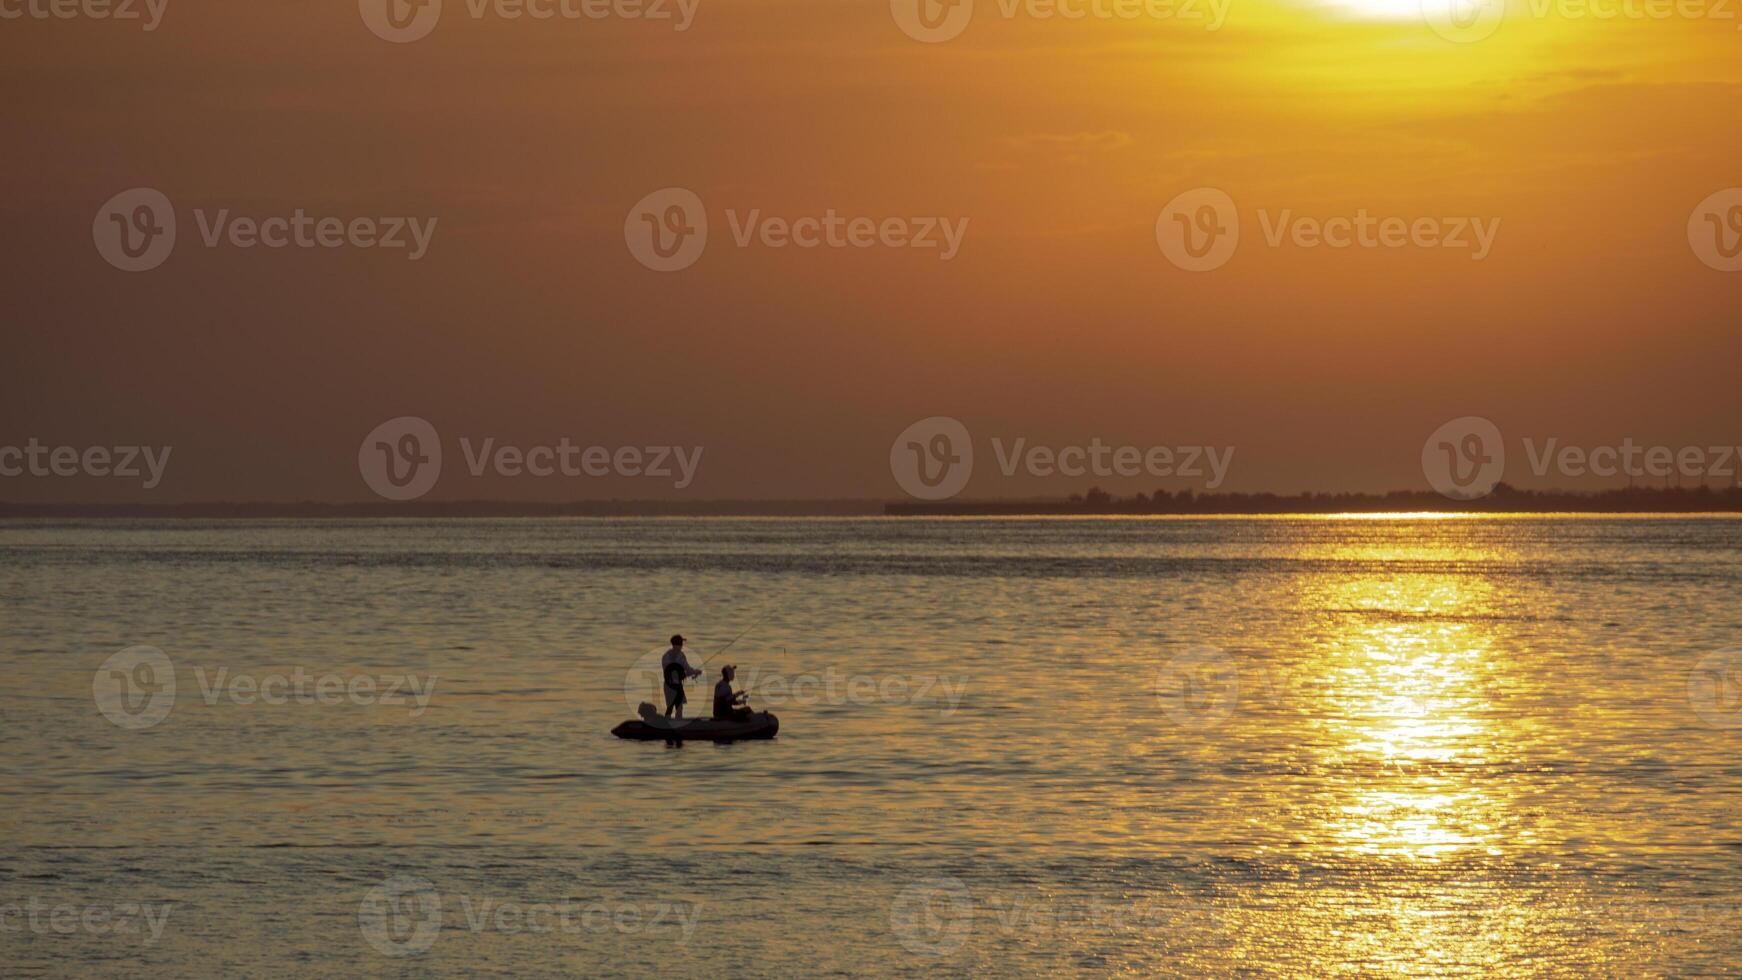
[(660, 729)]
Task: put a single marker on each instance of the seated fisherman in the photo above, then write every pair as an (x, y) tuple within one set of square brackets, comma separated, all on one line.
[(729, 704)]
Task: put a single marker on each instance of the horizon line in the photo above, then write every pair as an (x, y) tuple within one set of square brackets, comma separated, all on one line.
[(1503, 498)]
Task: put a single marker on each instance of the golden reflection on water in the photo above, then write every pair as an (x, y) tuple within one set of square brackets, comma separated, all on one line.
[(1405, 710), (1400, 684)]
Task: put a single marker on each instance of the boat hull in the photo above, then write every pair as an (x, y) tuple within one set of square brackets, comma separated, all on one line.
[(763, 725)]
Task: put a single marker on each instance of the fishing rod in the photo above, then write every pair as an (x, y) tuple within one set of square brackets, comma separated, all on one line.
[(765, 614)]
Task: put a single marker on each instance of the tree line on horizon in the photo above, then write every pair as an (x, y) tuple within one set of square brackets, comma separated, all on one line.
[(1503, 498)]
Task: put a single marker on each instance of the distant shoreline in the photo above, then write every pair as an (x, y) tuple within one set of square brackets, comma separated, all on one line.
[(1504, 499), (440, 510)]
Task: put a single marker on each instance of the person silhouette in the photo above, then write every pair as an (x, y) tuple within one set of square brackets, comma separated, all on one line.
[(729, 704), (676, 668)]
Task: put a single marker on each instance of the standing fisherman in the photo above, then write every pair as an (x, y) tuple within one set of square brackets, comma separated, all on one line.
[(676, 669)]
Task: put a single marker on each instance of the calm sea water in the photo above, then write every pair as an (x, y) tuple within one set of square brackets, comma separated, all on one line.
[(1487, 746)]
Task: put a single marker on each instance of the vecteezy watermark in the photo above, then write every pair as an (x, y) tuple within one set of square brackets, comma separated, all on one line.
[(1199, 230), (109, 462), (933, 458), (1715, 689), (668, 229), (405, 915), (1715, 230), (937, 916), (644, 682), (936, 21), (1468, 21), (1199, 687), (1463, 21), (299, 686), (1634, 10), (1466, 457), (932, 917), (401, 459), (1633, 460), (135, 231), (772, 688), (404, 21), (145, 919), (136, 688), (149, 13)]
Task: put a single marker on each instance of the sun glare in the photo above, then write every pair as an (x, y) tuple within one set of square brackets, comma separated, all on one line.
[(1395, 10)]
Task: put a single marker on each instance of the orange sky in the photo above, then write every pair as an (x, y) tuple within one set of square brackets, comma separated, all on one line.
[(1591, 319)]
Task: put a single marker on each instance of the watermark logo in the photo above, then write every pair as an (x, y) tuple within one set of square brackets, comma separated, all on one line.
[(932, 21), (402, 916), (667, 230), (1463, 21), (144, 463), (1469, 21), (1715, 230), (935, 21), (109, 921), (135, 230), (933, 458), (405, 915), (148, 12), (1199, 688), (936, 917), (403, 21), (135, 688), (773, 689), (1464, 458), (401, 459), (400, 21), (932, 917), (1199, 229), (1634, 460), (299, 686), (1715, 689)]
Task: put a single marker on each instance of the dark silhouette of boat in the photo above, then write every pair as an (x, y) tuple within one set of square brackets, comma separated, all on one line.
[(763, 724)]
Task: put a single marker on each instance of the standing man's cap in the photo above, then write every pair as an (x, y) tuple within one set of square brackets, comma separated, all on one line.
[(676, 638)]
